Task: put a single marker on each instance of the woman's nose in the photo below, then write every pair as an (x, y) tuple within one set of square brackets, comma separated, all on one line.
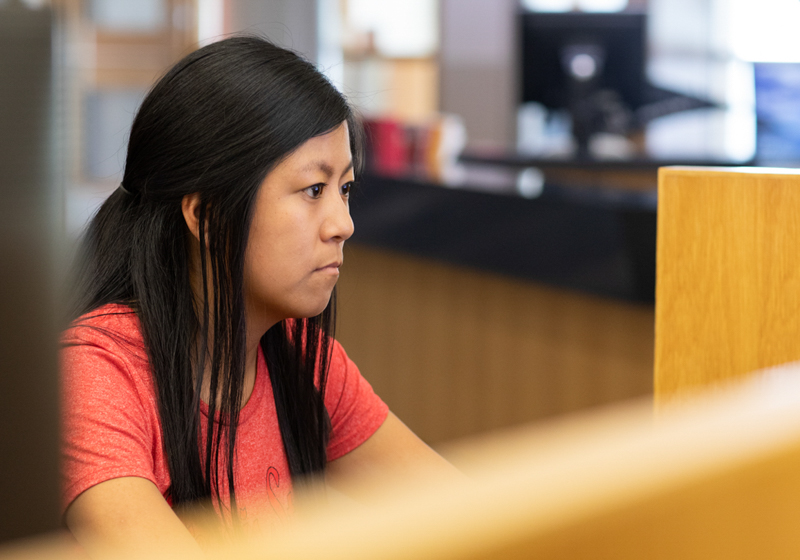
[(338, 223)]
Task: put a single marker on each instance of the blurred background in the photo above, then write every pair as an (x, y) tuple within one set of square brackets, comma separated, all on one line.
[(673, 80), (503, 266)]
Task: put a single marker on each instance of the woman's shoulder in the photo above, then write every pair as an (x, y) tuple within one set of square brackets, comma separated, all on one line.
[(104, 349), (112, 323)]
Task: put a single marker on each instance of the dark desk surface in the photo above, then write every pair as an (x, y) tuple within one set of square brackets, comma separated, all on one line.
[(600, 241), (518, 160)]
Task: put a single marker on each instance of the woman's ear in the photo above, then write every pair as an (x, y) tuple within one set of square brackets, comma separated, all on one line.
[(190, 206)]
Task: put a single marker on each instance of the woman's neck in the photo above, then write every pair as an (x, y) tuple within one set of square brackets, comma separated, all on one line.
[(250, 373)]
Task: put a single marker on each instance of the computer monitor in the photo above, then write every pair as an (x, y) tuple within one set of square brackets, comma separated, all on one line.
[(590, 64), (778, 113)]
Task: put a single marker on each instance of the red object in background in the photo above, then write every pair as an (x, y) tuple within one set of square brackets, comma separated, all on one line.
[(388, 147)]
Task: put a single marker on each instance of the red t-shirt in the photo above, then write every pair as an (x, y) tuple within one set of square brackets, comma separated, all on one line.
[(111, 427)]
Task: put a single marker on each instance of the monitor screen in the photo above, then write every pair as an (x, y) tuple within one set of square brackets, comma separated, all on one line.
[(558, 48), (778, 113)]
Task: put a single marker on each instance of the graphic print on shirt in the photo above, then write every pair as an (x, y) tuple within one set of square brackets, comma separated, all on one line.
[(273, 484), (271, 513)]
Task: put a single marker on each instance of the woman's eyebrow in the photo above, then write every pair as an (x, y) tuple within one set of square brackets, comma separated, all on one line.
[(326, 168)]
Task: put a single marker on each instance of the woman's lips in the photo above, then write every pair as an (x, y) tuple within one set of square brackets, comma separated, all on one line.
[(330, 268)]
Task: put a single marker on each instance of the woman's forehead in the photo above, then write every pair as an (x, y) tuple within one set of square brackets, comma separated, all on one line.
[(328, 154)]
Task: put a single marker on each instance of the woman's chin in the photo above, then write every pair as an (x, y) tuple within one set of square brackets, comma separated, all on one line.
[(312, 309)]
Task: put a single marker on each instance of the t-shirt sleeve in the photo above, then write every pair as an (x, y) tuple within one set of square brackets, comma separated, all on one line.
[(106, 432), (355, 410)]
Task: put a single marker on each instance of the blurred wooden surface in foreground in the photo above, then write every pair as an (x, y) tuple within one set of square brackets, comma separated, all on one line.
[(717, 477)]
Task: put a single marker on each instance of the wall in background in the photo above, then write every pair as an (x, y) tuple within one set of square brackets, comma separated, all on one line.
[(478, 68), (289, 23)]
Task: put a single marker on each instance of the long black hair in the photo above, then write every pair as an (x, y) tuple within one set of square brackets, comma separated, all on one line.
[(214, 125)]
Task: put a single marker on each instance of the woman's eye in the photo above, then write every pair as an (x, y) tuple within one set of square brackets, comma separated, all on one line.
[(346, 188), (314, 191)]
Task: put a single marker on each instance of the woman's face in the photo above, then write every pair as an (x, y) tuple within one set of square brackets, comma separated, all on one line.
[(300, 223)]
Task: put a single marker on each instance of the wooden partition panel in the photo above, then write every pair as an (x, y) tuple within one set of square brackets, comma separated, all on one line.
[(728, 274), (455, 351)]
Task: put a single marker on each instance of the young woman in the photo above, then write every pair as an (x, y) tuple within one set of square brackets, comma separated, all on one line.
[(206, 292)]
